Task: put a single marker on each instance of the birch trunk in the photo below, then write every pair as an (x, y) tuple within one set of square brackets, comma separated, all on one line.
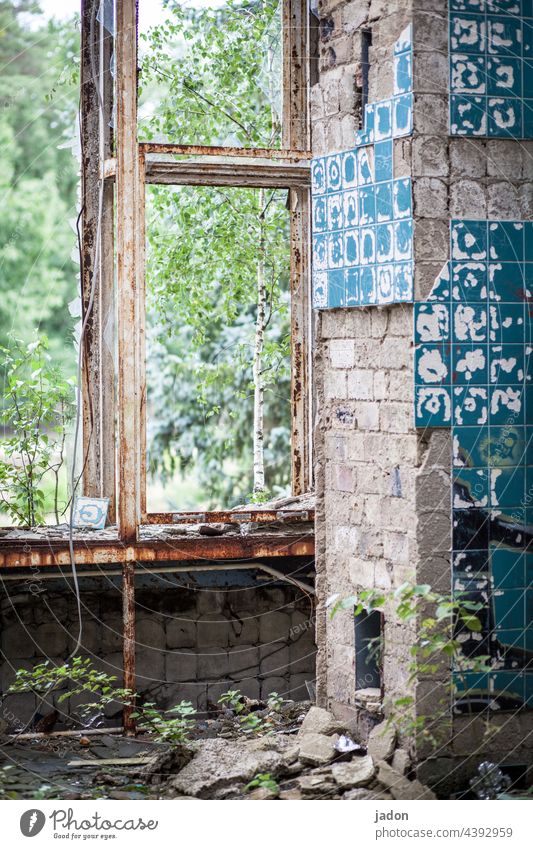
[(259, 394)]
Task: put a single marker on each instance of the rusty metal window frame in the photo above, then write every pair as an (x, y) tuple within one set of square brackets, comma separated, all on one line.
[(123, 467)]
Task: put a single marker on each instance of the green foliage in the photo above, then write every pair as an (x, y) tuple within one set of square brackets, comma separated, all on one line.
[(38, 176), (251, 723), (202, 262), (76, 677), (38, 404), (437, 617), (168, 726), (234, 700), (274, 702), (263, 779)]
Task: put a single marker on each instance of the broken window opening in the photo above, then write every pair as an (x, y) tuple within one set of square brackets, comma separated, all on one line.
[(213, 75), (218, 346), (368, 650)]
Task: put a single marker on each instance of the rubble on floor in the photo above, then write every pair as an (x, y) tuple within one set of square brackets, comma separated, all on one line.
[(294, 752)]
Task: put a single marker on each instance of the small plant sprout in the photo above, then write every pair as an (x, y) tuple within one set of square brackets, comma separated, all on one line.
[(233, 700), (264, 780), (274, 702), (168, 726)]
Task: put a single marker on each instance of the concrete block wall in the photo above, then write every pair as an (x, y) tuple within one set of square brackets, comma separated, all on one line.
[(383, 488), (191, 644), (367, 452)]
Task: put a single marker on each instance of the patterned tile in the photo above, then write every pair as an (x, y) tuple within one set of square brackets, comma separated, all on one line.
[(362, 216), (473, 367), (491, 68)]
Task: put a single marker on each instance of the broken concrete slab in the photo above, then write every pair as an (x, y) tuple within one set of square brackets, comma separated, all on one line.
[(401, 761), (370, 795), (381, 742), (317, 749), (218, 763), (320, 721), (399, 786), (356, 773)]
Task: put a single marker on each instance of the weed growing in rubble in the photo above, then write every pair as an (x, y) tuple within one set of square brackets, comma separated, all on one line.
[(265, 780), (233, 700), (168, 726), (274, 702)]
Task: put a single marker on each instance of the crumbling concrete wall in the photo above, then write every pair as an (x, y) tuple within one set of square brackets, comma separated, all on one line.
[(365, 443), (383, 488), (194, 640)]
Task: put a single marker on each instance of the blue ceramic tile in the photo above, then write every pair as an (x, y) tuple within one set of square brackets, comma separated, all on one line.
[(432, 364), (504, 76), (432, 406), (352, 287), (383, 160), (320, 289), (467, 33), (385, 283), (384, 210), (506, 281), (367, 284), (367, 245), (527, 82), (403, 281), (507, 487), (506, 404), (403, 239), (470, 322), (335, 211), (364, 170), (528, 118), (470, 529), (402, 115), (470, 564), (507, 364), (470, 447), (507, 446), (509, 608), (528, 243), (350, 208), (320, 252), (351, 247), (468, 74), (335, 250), (504, 35), (385, 244), (320, 221), (382, 120), (506, 241), (470, 405), (432, 322), (349, 169), (506, 323), (470, 687), (403, 73), (402, 198), (504, 7), (367, 205), (467, 6), (507, 568), (336, 289), (470, 364), (471, 488), (468, 115), (469, 281), (318, 176), (507, 690), (469, 240), (504, 117), (333, 173)]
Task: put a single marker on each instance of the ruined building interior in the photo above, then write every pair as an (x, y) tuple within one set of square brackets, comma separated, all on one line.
[(407, 160)]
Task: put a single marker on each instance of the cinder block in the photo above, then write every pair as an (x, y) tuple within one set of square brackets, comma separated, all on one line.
[(180, 666), (361, 384), (468, 158), (19, 641), (467, 200), (243, 662), (213, 665), (430, 198), (52, 639), (150, 632), (180, 633), (342, 353), (150, 667), (274, 626), (213, 631), (274, 659), (274, 684)]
